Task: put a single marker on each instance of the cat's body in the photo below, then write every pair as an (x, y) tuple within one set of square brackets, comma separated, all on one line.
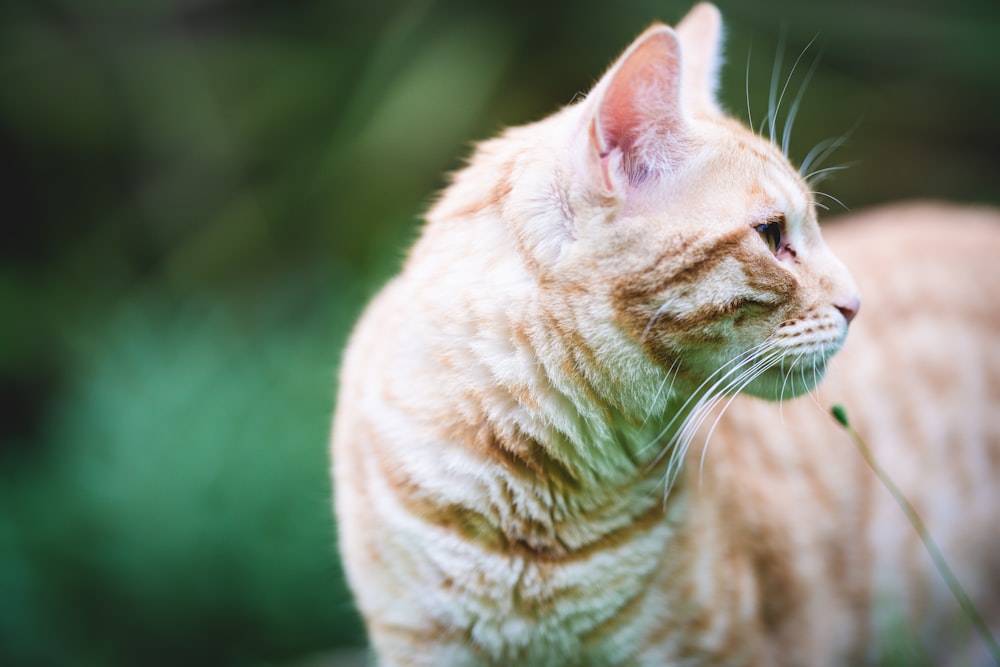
[(507, 406)]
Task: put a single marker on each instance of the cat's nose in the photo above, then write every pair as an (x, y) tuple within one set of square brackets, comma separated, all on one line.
[(849, 308)]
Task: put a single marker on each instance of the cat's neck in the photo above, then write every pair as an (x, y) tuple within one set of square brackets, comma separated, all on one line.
[(612, 422), (590, 397), (535, 376)]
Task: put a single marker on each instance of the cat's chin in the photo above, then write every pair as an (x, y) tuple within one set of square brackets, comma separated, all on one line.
[(780, 384)]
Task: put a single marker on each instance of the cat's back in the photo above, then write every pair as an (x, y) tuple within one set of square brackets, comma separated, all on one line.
[(919, 378), (924, 354)]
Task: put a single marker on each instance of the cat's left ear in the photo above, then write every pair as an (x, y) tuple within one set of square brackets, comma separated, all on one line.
[(701, 37), (636, 124)]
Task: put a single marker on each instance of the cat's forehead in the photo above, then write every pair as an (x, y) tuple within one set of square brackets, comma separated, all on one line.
[(773, 184)]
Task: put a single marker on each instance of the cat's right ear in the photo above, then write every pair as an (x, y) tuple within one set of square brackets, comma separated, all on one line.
[(637, 126), (700, 34)]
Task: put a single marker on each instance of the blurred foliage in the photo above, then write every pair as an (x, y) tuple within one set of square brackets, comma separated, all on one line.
[(200, 195)]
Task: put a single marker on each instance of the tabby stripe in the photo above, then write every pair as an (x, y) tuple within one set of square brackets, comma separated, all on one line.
[(475, 527)]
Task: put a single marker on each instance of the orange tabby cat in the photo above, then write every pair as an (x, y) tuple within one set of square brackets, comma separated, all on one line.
[(513, 478)]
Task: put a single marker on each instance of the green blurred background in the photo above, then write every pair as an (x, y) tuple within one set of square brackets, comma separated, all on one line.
[(200, 195)]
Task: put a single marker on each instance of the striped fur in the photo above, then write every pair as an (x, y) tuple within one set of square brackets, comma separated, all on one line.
[(514, 477)]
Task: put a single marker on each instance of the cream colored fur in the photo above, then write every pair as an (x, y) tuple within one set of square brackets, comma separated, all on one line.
[(515, 407)]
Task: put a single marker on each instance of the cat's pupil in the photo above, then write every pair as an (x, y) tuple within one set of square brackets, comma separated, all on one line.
[(771, 233)]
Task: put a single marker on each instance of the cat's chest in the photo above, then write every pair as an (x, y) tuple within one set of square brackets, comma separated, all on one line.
[(531, 608)]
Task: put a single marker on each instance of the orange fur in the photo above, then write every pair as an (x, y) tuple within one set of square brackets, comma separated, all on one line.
[(512, 474)]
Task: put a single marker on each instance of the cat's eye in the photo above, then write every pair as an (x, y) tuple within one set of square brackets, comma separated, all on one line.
[(770, 231)]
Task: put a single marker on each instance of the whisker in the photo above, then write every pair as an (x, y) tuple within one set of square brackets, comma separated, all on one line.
[(680, 442), (802, 377), (820, 152), (811, 176), (829, 196), (824, 149), (670, 389), (781, 392), (818, 399), (752, 374), (816, 151), (781, 397), (793, 111), (772, 93), (738, 359), (705, 408), (652, 320), (815, 383), (747, 84), (791, 369), (781, 97), (820, 374), (670, 375), (699, 397)]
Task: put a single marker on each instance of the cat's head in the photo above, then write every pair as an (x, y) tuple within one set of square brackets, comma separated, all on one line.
[(695, 235)]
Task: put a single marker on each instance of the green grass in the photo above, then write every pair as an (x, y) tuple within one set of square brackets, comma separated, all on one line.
[(180, 509)]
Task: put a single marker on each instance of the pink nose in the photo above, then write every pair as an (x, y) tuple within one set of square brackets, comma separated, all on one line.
[(849, 308)]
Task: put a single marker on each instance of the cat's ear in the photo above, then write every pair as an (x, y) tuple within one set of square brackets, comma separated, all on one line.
[(637, 122), (701, 37)]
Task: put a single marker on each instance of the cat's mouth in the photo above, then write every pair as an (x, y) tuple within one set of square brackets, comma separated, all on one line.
[(777, 369), (796, 358), (789, 377)]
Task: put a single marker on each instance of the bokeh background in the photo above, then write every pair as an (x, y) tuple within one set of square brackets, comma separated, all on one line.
[(198, 197)]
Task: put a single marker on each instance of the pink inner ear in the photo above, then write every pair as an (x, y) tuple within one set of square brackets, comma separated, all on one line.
[(639, 112), (644, 91)]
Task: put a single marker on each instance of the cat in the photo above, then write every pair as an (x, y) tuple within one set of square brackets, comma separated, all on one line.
[(529, 464)]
